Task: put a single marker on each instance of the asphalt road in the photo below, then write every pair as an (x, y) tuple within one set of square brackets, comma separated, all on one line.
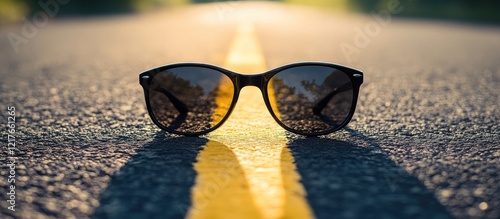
[(424, 142)]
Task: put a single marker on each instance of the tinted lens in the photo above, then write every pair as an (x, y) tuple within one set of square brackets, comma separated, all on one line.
[(311, 99), (190, 99)]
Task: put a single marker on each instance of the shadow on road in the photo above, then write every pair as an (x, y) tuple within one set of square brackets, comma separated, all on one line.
[(348, 181), (154, 183), (341, 179)]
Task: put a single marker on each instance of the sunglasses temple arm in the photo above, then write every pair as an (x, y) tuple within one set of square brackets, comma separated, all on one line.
[(320, 105), (178, 104)]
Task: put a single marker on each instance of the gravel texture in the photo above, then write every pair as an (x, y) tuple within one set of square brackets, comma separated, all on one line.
[(424, 141)]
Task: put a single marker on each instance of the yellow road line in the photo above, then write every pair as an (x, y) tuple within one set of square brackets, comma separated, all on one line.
[(245, 55), (246, 169), (221, 186)]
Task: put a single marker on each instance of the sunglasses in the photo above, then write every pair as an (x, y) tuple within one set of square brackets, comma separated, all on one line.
[(309, 98)]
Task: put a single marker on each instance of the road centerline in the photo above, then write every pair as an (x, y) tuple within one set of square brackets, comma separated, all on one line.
[(268, 177)]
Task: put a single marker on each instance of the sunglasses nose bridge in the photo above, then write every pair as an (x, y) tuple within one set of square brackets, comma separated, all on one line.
[(251, 80)]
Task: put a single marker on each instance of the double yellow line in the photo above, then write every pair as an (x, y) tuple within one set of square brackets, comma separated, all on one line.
[(246, 169)]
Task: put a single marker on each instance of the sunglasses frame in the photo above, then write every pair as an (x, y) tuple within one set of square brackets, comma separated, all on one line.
[(259, 80)]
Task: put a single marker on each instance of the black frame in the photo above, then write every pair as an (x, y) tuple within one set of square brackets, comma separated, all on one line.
[(261, 81)]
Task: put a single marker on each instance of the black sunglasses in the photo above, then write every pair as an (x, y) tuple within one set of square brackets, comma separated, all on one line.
[(309, 98)]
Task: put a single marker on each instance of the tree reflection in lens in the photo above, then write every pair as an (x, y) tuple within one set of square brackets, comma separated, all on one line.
[(312, 99), (194, 87)]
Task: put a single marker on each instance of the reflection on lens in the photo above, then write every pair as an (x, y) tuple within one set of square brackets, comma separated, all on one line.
[(311, 99), (190, 99)]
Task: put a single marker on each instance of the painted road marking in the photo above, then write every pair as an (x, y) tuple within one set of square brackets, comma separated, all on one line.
[(246, 169)]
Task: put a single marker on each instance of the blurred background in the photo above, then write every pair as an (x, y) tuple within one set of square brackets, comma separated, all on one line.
[(484, 11), (424, 141)]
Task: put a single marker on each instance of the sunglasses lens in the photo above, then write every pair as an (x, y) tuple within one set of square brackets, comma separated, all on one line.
[(311, 99), (190, 100)]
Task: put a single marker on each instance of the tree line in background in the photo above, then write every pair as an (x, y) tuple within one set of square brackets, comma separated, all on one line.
[(467, 10), (471, 10), (13, 10)]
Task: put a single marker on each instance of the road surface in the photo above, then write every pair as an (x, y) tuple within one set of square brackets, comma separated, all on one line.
[(424, 142)]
